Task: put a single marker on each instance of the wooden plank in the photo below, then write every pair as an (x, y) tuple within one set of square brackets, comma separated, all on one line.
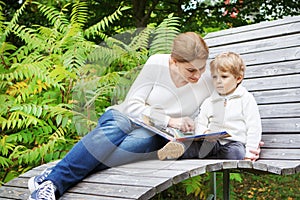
[(74, 196), (238, 36), (14, 192), (256, 46), (278, 82), (282, 167), (280, 154), (283, 141), (277, 96), (279, 110), (267, 57), (272, 56), (176, 175), (281, 125), (273, 69), (159, 183), (18, 182), (118, 191), (261, 25)]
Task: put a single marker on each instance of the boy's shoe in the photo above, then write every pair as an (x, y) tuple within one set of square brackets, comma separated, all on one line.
[(172, 150), (35, 181), (45, 191)]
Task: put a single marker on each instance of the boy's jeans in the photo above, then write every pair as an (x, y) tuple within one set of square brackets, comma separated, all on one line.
[(115, 141), (215, 150)]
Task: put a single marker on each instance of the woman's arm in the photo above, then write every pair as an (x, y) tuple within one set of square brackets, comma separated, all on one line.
[(136, 100)]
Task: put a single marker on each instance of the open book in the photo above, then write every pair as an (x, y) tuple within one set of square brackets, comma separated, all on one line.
[(173, 134)]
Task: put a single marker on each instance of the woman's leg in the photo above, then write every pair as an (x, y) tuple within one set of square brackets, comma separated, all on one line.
[(100, 148), (140, 144)]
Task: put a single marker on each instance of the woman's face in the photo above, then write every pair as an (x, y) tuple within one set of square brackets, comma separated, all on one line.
[(191, 71)]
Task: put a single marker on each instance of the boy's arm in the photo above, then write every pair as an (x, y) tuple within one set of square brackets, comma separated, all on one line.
[(253, 124)]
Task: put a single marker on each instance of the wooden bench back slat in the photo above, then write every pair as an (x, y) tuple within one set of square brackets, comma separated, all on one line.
[(283, 141), (254, 32), (279, 110), (263, 45), (281, 125), (275, 96), (273, 69), (281, 154), (276, 82)]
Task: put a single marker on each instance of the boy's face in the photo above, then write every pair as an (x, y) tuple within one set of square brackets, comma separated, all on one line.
[(224, 82)]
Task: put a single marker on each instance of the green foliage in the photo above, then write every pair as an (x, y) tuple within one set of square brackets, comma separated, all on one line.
[(196, 186), (58, 82)]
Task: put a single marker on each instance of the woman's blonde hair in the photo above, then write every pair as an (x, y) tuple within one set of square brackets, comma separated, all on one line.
[(229, 62), (188, 47)]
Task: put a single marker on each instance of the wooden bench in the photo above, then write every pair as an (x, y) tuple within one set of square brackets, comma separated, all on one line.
[(272, 54)]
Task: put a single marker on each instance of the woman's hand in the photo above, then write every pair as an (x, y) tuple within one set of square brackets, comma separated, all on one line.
[(184, 124), (255, 152)]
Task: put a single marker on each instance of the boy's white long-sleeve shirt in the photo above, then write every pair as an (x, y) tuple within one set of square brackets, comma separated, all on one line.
[(237, 114), (154, 94)]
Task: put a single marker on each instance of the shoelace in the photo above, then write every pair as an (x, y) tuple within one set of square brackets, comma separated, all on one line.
[(47, 191)]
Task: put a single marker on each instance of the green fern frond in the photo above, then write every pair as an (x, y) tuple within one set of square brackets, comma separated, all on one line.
[(2, 18), (79, 14), (19, 119), (104, 23), (56, 18), (164, 35), (141, 41), (5, 162), (15, 18), (5, 146), (28, 36)]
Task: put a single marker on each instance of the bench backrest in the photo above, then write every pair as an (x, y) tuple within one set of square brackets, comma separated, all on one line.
[(271, 51)]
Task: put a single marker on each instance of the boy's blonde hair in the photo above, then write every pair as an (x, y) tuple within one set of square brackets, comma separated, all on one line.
[(229, 62)]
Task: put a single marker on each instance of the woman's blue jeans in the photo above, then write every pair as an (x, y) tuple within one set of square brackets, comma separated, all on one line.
[(115, 141)]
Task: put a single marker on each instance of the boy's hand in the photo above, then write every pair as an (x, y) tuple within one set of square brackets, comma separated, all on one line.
[(184, 124), (256, 152)]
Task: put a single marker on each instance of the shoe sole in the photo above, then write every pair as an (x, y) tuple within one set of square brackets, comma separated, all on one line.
[(32, 185), (171, 150)]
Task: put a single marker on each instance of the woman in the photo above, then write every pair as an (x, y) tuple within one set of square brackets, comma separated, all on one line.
[(168, 90)]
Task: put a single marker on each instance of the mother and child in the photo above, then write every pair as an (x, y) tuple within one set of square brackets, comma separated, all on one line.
[(173, 90)]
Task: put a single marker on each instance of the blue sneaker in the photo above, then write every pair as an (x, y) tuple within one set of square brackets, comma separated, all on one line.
[(45, 191), (35, 181)]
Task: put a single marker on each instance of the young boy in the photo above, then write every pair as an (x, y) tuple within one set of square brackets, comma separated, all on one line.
[(230, 108)]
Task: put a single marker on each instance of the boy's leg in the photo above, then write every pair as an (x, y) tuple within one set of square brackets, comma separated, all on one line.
[(232, 151)]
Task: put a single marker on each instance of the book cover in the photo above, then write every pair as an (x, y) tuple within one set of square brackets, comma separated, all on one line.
[(173, 134)]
